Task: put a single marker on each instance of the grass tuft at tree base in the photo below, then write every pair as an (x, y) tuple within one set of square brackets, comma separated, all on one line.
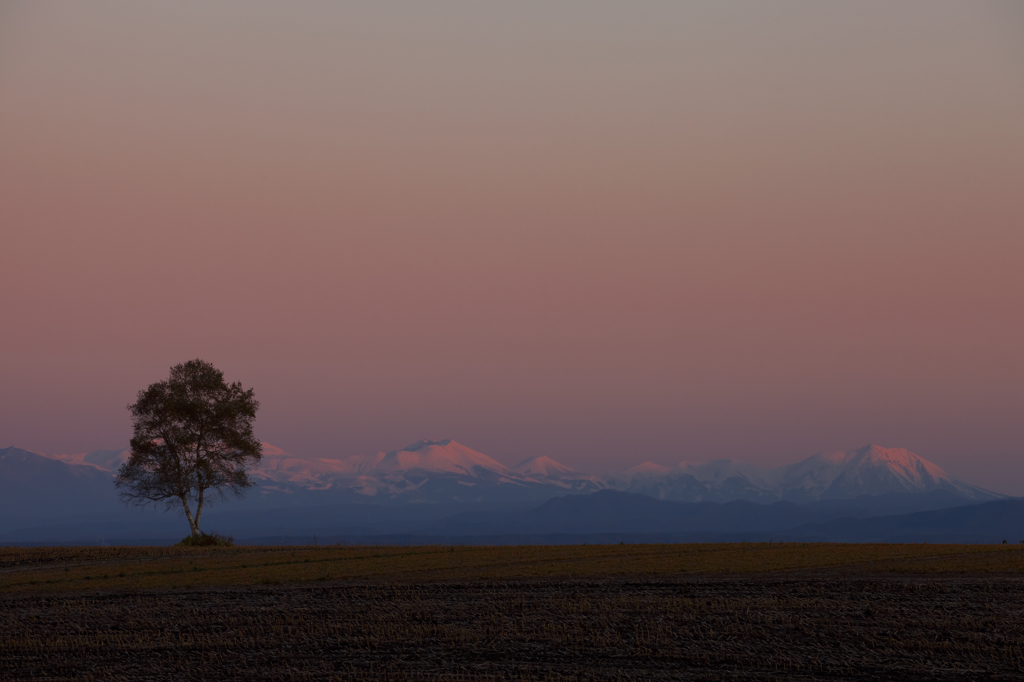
[(207, 540)]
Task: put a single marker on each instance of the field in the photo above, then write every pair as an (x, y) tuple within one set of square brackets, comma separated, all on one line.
[(717, 611)]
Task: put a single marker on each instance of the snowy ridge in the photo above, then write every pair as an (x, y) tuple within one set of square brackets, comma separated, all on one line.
[(424, 471), (103, 460), (547, 470), (445, 470), (444, 456), (871, 470)]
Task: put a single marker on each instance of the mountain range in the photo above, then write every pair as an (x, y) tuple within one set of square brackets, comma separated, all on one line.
[(444, 487), (871, 470), (435, 471), (424, 472)]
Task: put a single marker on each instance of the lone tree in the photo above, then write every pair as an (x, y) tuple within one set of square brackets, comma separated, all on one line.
[(192, 434)]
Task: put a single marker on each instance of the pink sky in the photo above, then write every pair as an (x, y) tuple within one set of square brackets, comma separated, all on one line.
[(603, 232)]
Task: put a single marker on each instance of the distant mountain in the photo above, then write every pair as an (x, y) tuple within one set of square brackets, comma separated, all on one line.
[(431, 472), (613, 511), (988, 522), (110, 460), (432, 482), (869, 471), (547, 470), (33, 486), (889, 504), (446, 471), (625, 515), (718, 481)]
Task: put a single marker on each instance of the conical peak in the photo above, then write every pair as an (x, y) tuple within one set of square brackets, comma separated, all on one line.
[(878, 453), (875, 450), (543, 465), (425, 443)]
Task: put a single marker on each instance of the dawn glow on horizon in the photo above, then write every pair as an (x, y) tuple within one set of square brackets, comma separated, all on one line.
[(601, 232)]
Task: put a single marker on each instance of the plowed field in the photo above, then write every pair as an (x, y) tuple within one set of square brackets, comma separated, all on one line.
[(933, 615)]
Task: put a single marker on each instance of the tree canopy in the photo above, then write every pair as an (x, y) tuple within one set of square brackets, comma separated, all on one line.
[(193, 433)]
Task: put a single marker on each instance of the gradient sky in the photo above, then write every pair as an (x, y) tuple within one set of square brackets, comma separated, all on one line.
[(600, 231)]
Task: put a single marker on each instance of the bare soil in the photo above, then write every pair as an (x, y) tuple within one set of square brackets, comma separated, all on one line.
[(810, 627)]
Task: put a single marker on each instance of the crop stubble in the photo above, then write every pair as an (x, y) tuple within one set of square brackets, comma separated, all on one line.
[(884, 620)]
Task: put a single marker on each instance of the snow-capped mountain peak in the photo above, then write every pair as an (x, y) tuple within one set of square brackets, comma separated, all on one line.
[(424, 463), (445, 456), (426, 443), (720, 470), (877, 470), (441, 470), (870, 470), (312, 473), (545, 467), (546, 470), (901, 460), (103, 460)]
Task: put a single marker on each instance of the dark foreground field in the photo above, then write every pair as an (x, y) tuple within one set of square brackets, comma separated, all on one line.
[(917, 613)]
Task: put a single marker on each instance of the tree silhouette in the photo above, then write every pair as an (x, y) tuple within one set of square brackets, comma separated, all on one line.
[(192, 434)]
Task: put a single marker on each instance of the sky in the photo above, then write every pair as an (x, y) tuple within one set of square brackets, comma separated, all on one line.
[(603, 232)]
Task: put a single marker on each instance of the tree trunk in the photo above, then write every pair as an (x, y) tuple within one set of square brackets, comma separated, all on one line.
[(193, 523), (199, 508)]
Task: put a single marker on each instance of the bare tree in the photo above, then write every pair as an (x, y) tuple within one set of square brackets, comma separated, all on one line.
[(192, 434)]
